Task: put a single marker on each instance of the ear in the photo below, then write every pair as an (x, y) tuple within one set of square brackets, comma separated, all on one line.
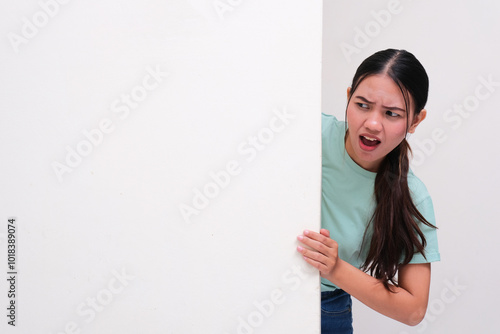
[(416, 120), (348, 92)]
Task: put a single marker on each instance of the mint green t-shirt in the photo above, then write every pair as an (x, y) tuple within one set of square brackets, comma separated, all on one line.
[(348, 201)]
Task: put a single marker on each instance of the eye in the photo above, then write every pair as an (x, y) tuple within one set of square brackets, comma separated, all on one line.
[(392, 114), (362, 105)]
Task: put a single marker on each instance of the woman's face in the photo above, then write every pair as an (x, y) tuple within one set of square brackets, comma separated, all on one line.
[(376, 117)]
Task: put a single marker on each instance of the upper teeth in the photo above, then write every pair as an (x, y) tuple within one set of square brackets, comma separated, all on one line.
[(371, 139)]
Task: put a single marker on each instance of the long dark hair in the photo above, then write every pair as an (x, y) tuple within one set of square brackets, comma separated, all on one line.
[(396, 234)]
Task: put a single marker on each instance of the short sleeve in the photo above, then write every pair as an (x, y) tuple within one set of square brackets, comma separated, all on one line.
[(431, 250)]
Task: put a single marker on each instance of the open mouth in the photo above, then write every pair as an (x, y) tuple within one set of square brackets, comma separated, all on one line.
[(368, 142)]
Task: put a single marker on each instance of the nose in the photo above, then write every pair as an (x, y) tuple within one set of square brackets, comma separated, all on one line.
[(373, 121)]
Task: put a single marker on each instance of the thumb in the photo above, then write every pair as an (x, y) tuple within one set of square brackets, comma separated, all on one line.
[(325, 232)]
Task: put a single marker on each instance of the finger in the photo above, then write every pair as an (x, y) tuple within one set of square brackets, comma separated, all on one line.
[(324, 246), (318, 260), (319, 266), (325, 232), (314, 255), (317, 236)]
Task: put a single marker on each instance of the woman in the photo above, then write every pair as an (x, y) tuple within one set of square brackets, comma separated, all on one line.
[(378, 213)]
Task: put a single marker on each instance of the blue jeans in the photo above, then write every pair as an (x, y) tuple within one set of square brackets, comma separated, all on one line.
[(336, 314)]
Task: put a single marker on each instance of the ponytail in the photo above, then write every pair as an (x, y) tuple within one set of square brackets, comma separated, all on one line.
[(396, 234)]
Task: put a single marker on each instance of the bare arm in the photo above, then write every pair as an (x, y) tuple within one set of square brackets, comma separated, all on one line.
[(406, 304)]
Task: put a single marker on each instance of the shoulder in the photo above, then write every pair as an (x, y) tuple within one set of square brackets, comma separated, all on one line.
[(331, 134), (327, 121), (330, 123), (418, 189), (327, 117)]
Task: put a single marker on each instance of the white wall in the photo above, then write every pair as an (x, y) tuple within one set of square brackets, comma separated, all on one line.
[(456, 155), (115, 116)]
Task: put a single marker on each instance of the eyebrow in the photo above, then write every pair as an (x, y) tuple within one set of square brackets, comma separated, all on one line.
[(385, 107)]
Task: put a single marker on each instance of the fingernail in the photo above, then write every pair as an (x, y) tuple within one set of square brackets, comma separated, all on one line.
[(306, 232), (300, 237), (300, 249)]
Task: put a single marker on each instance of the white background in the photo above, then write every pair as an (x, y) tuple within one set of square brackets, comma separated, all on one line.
[(172, 93), (457, 42)]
